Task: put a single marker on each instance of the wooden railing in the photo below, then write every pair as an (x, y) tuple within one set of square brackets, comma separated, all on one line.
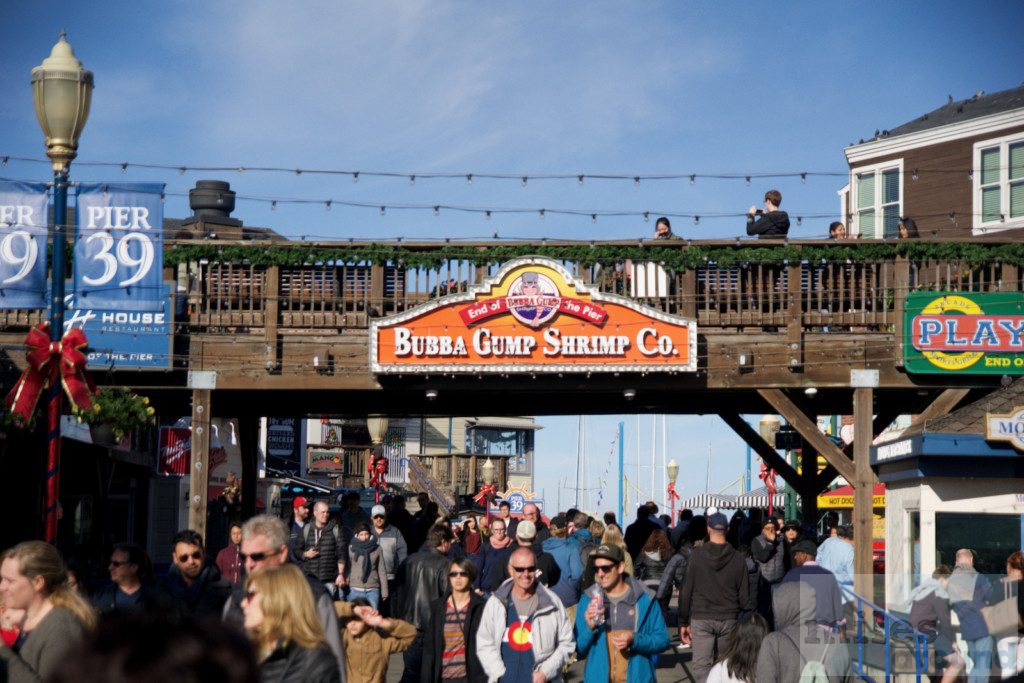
[(802, 294)]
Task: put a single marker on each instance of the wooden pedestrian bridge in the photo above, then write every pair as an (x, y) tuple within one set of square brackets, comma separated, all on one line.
[(800, 328)]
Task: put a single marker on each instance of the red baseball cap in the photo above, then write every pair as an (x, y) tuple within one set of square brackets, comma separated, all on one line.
[(299, 502)]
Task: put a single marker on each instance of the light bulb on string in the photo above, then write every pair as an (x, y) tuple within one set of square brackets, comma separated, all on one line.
[(488, 215), (469, 178), (382, 211), (636, 181), (328, 204), (412, 180), (542, 213), (273, 205), (803, 177), (696, 220), (693, 179), (593, 218), (524, 181), (124, 168), (647, 217), (437, 210), (580, 179), (748, 181), (355, 177)]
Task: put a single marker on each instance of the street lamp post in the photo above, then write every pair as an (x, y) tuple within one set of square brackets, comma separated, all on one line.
[(487, 474), (377, 466), (672, 469), (768, 427), (62, 91)]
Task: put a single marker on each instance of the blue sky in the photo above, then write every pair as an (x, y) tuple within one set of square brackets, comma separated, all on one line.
[(457, 87)]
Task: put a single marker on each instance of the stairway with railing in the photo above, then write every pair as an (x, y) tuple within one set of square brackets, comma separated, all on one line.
[(888, 649)]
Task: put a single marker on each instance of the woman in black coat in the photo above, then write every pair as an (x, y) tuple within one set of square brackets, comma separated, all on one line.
[(460, 613)]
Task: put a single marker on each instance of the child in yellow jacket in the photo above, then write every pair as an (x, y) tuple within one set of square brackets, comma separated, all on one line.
[(369, 639)]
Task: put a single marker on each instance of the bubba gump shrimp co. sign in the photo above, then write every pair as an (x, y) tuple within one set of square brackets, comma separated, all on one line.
[(532, 316)]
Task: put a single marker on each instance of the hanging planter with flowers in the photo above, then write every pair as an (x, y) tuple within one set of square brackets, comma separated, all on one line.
[(115, 411)]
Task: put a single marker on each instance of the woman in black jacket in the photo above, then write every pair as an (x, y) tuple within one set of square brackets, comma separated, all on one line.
[(449, 647), (282, 621)]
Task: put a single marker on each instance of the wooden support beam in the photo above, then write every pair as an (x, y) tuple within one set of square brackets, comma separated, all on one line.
[(199, 479), (942, 405), (248, 439), (863, 506), (808, 484), (808, 429), (761, 447)]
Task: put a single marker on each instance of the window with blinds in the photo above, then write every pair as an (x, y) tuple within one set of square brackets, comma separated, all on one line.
[(999, 183), (877, 191)]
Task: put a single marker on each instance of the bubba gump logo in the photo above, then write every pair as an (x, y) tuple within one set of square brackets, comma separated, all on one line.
[(953, 333), (532, 315)]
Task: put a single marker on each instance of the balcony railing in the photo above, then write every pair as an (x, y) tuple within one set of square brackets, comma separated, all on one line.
[(812, 284)]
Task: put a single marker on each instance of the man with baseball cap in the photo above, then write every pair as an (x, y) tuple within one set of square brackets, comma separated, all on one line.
[(548, 572), (828, 598), (619, 626), (300, 513), (714, 591), (392, 549)]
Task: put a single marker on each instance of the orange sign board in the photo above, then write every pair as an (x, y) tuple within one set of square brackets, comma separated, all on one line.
[(531, 316)]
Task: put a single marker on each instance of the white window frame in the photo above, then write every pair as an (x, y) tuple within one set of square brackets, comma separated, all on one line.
[(981, 227), (854, 201)]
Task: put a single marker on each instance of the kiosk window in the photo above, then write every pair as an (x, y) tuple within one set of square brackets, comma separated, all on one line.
[(992, 537)]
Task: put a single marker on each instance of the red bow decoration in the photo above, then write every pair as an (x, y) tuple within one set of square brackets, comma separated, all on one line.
[(672, 495), (769, 481), (487, 490), (48, 361)]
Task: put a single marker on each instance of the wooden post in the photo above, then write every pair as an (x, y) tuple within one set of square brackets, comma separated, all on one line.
[(863, 506), (688, 293), (902, 277), (808, 489), (794, 317), (271, 314), (199, 481)]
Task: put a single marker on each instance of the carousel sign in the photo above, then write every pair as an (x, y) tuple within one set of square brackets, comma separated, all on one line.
[(531, 316)]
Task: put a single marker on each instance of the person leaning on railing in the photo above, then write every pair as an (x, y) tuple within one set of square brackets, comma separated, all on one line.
[(768, 223)]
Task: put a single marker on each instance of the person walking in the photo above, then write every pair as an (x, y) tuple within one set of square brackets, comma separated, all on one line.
[(33, 578), (769, 552), (826, 589), (567, 557), (301, 509), (393, 550), (786, 652), (493, 555), (370, 639), (449, 647), (1010, 645), (265, 544), (323, 547), (130, 586), (368, 577), (619, 626), (192, 587), (229, 560), (420, 581), (739, 663), (929, 614), (281, 619), (525, 635), (969, 591), (714, 591)]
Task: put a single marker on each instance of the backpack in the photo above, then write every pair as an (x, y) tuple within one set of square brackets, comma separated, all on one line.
[(587, 547), (814, 670)]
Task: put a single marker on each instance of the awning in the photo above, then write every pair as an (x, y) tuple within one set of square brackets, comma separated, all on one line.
[(707, 500), (842, 497), (760, 498)]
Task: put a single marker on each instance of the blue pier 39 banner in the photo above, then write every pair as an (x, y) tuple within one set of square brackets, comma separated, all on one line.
[(119, 247), (23, 238)]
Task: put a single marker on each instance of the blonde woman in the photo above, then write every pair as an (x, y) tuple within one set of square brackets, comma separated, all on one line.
[(282, 621), (33, 578), (613, 536)]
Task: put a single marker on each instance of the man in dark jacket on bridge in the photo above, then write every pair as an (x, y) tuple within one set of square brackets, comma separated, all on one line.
[(769, 223), (420, 580), (714, 591)]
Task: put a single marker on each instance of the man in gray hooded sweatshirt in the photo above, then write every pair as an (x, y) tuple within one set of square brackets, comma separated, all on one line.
[(785, 652)]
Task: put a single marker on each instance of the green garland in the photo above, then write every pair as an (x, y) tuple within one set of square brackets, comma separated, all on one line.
[(678, 258)]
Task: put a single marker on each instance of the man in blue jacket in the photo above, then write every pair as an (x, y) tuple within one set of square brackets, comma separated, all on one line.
[(619, 611)]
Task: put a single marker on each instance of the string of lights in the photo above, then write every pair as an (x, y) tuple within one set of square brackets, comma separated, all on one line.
[(469, 177), (540, 212)]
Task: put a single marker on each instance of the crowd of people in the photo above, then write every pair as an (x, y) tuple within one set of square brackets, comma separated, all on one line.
[(330, 598)]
